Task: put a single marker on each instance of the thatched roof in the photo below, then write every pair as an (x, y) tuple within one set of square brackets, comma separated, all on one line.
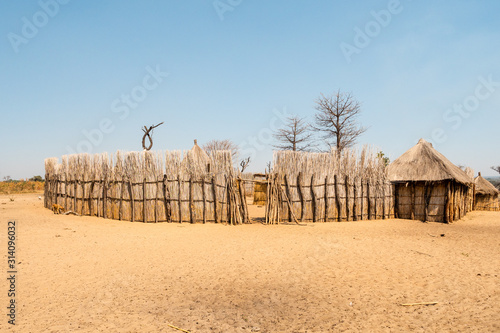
[(199, 153), (484, 187), (424, 163)]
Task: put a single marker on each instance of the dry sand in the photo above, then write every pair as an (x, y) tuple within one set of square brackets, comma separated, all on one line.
[(86, 274)]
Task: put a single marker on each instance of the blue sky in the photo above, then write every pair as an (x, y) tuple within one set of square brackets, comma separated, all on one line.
[(229, 69)]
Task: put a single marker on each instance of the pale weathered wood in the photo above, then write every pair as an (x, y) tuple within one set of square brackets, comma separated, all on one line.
[(204, 199), (179, 193), (144, 202)]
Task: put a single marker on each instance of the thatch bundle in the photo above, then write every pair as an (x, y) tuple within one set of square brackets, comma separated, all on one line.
[(364, 164)]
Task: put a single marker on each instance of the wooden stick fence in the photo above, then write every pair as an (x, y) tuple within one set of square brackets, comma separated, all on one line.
[(324, 187), (326, 201), (143, 187)]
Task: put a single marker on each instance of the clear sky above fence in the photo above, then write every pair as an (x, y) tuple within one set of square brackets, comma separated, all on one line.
[(82, 76)]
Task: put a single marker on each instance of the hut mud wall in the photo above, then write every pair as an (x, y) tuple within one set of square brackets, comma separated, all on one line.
[(444, 201), (327, 187), (147, 187)]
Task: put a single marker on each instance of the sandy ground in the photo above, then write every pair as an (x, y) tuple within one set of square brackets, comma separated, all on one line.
[(82, 274)]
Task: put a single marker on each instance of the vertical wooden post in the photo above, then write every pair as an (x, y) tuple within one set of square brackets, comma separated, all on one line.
[(204, 200), (156, 200), (97, 206), (313, 201), (144, 202), (54, 190), (179, 192), (289, 196), (214, 192), (460, 201), (426, 205), (347, 211), (369, 202), (120, 209), (383, 201), (355, 202), (301, 197), (56, 187), (105, 197), (83, 197), (229, 203), (132, 204), (452, 196), (166, 200), (191, 201), (473, 196), (91, 193), (247, 215), (412, 200), (362, 203), (337, 199), (74, 194), (327, 205), (66, 193)]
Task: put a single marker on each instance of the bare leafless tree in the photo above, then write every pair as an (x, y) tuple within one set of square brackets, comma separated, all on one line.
[(497, 168), (336, 118), (295, 135), (215, 145), (244, 163)]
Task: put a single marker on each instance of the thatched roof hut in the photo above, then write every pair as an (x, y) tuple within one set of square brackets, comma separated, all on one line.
[(198, 158), (428, 186), (199, 153), (486, 195)]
